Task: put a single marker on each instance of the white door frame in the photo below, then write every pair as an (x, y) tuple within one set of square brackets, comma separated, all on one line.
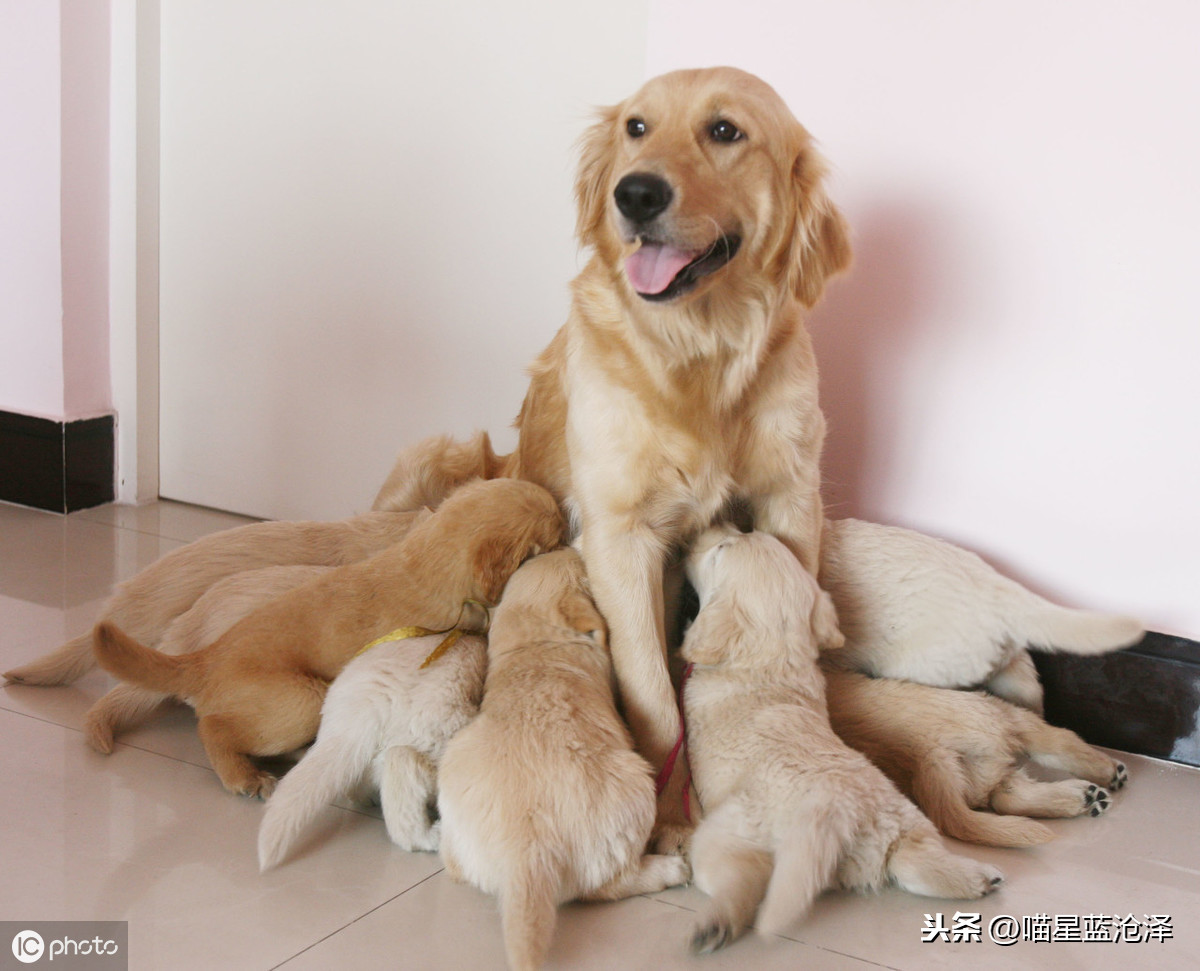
[(133, 244)]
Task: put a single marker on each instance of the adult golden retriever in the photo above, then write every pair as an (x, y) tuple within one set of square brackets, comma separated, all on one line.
[(683, 378)]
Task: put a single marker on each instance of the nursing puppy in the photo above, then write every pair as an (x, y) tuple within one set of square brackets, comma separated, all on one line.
[(258, 690), (914, 607), (684, 376), (789, 808), (220, 607), (384, 726), (145, 605), (955, 752), (542, 798)]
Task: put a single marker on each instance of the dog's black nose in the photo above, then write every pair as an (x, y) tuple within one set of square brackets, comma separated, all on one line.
[(641, 196)]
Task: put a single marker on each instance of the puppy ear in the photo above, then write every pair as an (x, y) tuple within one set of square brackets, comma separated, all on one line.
[(497, 559), (582, 616), (825, 623), (594, 175), (821, 238), (715, 635)]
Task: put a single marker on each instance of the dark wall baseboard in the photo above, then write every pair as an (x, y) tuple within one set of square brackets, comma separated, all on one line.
[(56, 465), (1144, 699)]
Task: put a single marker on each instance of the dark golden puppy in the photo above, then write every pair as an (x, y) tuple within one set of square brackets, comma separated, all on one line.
[(258, 689)]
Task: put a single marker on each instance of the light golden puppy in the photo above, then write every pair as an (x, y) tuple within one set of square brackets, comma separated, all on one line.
[(955, 752), (220, 607), (918, 608), (542, 798), (789, 809), (145, 605), (684, 376), (258, 689)]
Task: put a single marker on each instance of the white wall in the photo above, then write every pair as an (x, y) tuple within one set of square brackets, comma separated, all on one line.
[(31, 362), (366, 229), (1011, 363), (54, 208)]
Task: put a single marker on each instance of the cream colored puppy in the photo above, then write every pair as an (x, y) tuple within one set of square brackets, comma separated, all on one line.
[(542, 798), (789, 808), (914, 607), (956, 752), (384, 727)]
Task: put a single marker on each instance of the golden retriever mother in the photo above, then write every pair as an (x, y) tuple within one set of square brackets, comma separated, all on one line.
[(684, 378)]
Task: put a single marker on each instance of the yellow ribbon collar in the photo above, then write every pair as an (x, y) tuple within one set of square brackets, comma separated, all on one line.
[(452, 633)]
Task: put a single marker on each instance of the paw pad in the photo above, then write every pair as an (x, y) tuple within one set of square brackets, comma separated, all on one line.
[(1120, 777), (1096, 800)]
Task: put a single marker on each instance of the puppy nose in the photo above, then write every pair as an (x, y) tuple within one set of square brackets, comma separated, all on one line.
[(641, 196)]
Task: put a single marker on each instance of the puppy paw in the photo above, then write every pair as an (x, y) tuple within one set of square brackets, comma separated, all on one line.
[(712, 936), (99, 737), (1095, 800), (991, 879), (258, 786), (1120, 777), (671, 839), (423, 841), (674, 871)]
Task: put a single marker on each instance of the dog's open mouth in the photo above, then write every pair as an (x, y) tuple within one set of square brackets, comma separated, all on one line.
[(661, 272)]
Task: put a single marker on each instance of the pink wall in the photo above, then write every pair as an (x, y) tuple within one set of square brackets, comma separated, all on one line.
[(1011, 362), (54, 327), (85, 100), (31, 377)]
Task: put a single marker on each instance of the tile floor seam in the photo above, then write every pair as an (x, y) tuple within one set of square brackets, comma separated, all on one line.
[(365, 914)]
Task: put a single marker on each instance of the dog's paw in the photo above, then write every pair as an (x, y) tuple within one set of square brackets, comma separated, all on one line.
[(990, 879), (1095, 800), (712, 936), (258, 786), (1120, 777), (671, 839), (423, 841)]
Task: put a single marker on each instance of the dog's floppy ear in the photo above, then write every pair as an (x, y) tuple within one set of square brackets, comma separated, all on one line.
[(825, 623), (715, 635), (820, 244), (594, 175), (497, 558), (582, 616)]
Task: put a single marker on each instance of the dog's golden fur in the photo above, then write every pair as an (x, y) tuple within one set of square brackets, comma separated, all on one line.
[(146, 605), (789, 808), (956, 752), (258, 689), (220, 607), (542, 797), (646, 416)]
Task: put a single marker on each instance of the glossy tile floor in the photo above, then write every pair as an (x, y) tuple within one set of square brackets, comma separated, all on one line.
[(147, 835)]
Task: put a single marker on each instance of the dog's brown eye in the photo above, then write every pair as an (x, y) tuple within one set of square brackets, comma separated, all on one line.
[(635, 127), (725, 131)]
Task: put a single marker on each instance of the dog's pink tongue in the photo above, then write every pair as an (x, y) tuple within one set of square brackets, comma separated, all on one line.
[(652, 268)]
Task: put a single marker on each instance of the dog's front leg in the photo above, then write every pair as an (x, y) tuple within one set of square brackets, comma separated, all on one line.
[(625, 569), (796, 518)]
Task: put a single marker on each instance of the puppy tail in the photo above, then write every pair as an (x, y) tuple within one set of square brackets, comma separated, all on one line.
[(327, 772), (120, 655), (806, 862), (529, 910), (1053, 628), (938, 787), (63, 666), (426, 473)]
